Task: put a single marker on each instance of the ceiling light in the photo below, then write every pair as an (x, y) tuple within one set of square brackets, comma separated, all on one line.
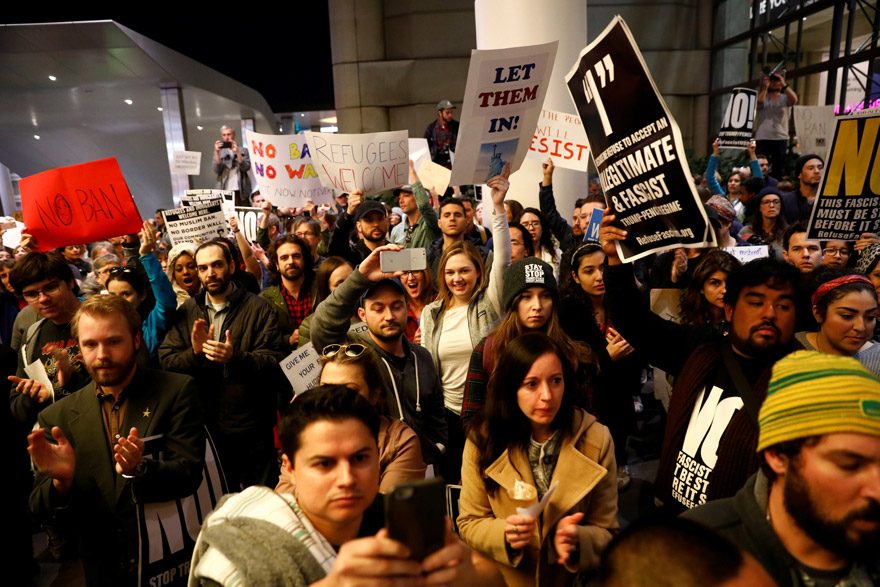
[(159, 108), (200, 127), (128, 101), (301, 114), (52, 78), (37, 137)]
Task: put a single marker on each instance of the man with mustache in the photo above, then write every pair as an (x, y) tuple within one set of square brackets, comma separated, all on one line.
[(720, 381), (811, 515), (229, 341)]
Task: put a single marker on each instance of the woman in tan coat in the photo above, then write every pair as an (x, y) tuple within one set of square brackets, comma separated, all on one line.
[(530, 441)]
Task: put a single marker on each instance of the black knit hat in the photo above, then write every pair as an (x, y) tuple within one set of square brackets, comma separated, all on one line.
[(802, 160), (526, 273)]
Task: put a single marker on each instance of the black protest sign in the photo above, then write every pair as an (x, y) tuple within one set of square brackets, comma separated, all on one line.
[(167, 531), (637, 147), (248, 220), (196, 223), (848, 201), (739, 118)]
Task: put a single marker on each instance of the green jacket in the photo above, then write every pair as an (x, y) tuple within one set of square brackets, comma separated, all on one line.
[(426, 230)]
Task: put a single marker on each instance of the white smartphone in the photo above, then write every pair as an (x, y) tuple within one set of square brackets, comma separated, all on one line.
[(403, 260)]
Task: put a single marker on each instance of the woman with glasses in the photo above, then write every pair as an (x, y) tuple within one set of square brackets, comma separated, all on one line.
[(542, 239), (532, 443), (768, 224), (129, 283), (357, 367), (836, 254), (467, 307)]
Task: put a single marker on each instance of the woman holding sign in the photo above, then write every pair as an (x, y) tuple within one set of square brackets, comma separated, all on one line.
[(768, 225), (734, 180), (467, 307), (532, 448)]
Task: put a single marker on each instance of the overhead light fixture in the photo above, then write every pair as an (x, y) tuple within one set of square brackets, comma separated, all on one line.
[(200, 127), (301, 114), (129, 101), (52, 78), (804, 18), (159, 108), (37, 137)]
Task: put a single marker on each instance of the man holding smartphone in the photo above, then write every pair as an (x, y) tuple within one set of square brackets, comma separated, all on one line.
[(331, 532), (231, 165)]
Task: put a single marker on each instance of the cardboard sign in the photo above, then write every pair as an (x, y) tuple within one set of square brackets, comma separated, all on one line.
[(248, 220), (637, 147), (502, 100), (373, 162), (746, 254), (848, 201), (188, 162), (739, 119), (302, 368), (561, 137), (284, 170), (433, 176), (226, 197), (814, 126), (78, 204), (167, 531), (197, 223)]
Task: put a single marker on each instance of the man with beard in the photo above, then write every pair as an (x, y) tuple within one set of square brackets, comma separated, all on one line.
[(411, 383), (228, 340), (811, 515), (798, 204), (292, 297), (371, 220), (720, 381), (90, 449)]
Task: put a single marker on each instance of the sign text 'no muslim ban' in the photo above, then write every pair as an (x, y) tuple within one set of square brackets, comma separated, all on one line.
[(78, 204), (739, 118), (502, 100), (637, 147), (848, 203), (372, 162), (284, 170)]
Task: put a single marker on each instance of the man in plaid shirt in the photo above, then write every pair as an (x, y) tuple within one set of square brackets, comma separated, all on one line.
[(293, 297)]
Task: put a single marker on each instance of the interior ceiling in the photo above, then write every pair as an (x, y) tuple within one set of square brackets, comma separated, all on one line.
[(83, 114)]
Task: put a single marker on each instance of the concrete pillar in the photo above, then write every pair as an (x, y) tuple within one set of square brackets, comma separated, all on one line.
[(7, 194), (516, 23), (173, 119)]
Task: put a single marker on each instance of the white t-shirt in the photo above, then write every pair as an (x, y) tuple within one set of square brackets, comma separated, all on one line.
[(455, 351)]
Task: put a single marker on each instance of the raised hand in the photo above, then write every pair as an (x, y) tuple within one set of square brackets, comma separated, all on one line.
[(128, 452), (58, 460)]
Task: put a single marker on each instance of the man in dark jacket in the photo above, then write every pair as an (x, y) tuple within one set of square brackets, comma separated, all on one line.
[(442, 133), (371, 220), (811, 516), (228, 340)]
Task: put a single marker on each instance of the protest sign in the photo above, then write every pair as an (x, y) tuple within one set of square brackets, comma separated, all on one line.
[(746, 254), (637, 147), (372, 162), (197, 223), (78, 204), (226, 197), (848, 201), (433, 176), (591, 235), (813, 126), (561, 137), (284, 170), (167, 531), (302, 368), (188, 162), (418, 151), (248, 219), (502, 100), (739, 118)]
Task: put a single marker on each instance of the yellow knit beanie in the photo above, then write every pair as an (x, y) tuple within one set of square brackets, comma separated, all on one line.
[(814, 393)]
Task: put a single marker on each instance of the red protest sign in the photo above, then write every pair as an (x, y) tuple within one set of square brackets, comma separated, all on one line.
[(78, 204)]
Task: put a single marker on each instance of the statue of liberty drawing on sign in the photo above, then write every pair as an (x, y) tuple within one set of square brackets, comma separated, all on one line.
[(496, 163)]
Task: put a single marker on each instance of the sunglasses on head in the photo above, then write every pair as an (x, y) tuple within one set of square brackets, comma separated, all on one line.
[(353, 350)]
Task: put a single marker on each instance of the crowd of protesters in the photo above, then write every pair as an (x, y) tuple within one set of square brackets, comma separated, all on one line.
[(512, 365)]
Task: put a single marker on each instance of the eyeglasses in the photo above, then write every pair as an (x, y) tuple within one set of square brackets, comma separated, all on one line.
[(49, 289), (304, 234), (773, 203), (120, 270), (836, 252), (532, 224), (353, 350)]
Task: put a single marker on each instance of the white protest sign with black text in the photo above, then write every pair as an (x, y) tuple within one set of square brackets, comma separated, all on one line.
[(739, 118), (372, 162), (848, 201), (814, 127), (637, 147), (561, 137), (188, 162), (502, 100), (284, 170), (302, 368), (199, 222)]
